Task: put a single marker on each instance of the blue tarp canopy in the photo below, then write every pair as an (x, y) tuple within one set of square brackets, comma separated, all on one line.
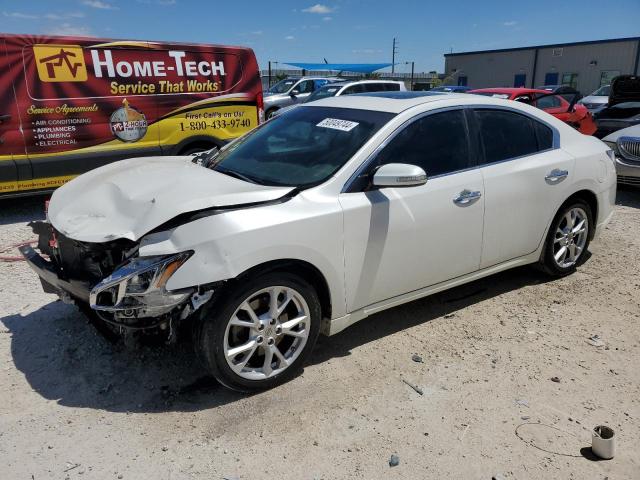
[(341, 67)]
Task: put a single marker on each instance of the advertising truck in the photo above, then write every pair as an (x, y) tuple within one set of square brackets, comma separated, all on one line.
[(70, 104)]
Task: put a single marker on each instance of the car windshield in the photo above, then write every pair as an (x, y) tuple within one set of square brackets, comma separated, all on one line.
[(283, 86), (324, 92), (603, 91), (301, 148)]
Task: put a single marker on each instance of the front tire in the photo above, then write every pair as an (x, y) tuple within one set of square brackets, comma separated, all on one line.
[(259, 334), (568, 238)]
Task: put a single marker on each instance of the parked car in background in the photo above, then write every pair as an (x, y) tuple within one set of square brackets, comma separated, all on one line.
[(70, 104), (597, 100), (349, 88), (313, 221), (565, 91), (451, 89), (292, 90), (626, 145), (573, 114), (623, 108)]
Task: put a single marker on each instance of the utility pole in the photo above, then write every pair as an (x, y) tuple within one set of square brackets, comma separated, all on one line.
[(393, 56), (413, 64)]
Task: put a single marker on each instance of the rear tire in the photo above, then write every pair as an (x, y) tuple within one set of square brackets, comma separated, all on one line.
[(270, 113), (258, 334), (568, 238)]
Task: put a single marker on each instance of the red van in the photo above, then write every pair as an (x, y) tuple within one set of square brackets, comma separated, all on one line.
[(70, 104)]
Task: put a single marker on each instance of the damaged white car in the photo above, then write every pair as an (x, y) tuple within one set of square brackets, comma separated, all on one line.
[(319, 218)]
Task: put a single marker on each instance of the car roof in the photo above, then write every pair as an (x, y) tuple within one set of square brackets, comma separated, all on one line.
[(345, 83), (393, 102), (314, 77), (509, 90)]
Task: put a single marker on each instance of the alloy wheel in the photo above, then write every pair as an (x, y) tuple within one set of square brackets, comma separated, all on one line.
[(267, 332), (570, 237)]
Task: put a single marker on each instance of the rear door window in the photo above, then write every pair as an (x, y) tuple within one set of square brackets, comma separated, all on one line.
[(506, 134)]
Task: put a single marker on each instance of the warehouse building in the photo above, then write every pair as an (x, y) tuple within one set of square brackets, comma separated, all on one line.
[(582, 65)]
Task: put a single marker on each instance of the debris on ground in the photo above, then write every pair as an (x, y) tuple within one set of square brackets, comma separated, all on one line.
[(522, 403), (596, 341), (416, 358), (394, 461), (555, 379), (417, 389), (449, 315)]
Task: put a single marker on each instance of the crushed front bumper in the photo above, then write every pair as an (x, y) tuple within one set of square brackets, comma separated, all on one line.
[(51, 279)]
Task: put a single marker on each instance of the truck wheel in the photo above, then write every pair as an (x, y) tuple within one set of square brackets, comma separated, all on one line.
[(568, 238), (260, 333)]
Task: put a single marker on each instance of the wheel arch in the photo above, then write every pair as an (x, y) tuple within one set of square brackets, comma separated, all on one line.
[(303, 269), (591, 199), (204, 141)]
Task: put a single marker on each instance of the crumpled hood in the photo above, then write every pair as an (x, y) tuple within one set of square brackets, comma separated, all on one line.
[(129, 198)]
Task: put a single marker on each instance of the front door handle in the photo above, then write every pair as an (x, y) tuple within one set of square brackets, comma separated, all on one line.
[(466, 197), (556, 175)]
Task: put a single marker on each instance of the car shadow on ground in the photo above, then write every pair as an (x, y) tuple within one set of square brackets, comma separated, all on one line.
[(628, 196), (64, 358), (424, 310)]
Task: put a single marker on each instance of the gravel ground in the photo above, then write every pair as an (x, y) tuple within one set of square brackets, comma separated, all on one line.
[(74, 406)]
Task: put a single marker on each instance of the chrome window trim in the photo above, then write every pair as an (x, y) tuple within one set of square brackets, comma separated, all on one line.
[(366, 163)]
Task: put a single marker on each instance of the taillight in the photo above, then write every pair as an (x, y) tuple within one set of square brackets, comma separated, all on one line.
[(260, 105)]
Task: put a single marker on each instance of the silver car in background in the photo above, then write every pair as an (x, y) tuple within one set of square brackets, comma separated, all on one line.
[(597, 100), (291, 91), (626, 145)]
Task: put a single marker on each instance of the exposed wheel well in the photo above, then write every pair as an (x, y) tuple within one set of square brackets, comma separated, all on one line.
[(198, 146), (301, 268), (590, 198)]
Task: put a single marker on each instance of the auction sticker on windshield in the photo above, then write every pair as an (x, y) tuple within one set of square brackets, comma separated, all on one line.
[(337, 124)]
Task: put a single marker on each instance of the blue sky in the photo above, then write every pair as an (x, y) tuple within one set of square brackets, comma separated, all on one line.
[(339, 30)]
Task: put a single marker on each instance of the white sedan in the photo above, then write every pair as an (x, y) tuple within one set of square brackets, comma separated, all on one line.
[(321, 217)]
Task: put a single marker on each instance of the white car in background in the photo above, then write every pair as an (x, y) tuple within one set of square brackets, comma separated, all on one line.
[(338, 89), (321, 217)]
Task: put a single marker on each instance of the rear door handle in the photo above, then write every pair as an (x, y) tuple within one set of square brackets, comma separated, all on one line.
[(466, 197), (556, 175)]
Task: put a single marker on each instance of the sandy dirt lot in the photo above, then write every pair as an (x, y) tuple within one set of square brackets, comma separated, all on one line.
[(74, 406)]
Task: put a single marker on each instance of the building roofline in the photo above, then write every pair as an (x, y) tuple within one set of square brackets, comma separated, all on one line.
[(554, 45)]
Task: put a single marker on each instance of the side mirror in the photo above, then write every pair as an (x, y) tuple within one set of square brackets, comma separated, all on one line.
[(399, 175), (294, 92)]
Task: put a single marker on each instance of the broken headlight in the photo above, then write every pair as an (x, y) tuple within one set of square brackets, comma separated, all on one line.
[(138, 287)]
